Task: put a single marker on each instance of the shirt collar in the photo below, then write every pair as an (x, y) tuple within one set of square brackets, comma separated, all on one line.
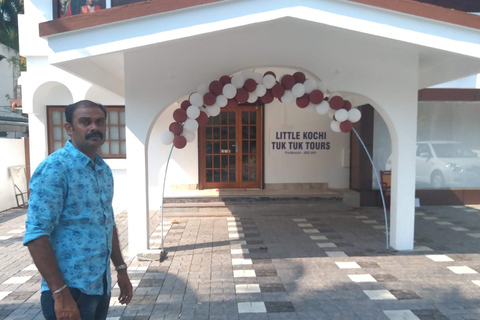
[(81, 157)]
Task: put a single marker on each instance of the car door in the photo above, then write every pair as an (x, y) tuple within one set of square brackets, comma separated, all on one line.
[(424, 162)]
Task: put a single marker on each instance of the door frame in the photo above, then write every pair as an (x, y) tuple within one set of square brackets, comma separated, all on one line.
[(261, 140)]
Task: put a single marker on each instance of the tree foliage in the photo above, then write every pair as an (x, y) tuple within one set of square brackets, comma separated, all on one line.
[(9, 10)]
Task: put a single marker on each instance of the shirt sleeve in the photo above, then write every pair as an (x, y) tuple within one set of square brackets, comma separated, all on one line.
[(48, 189)]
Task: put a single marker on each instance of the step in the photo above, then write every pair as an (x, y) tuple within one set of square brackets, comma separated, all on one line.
[(217, 201)]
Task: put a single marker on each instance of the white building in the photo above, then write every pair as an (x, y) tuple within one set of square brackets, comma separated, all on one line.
[(150, 56)]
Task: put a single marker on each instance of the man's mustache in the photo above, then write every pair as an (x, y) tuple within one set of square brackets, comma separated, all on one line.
[(94, 134)]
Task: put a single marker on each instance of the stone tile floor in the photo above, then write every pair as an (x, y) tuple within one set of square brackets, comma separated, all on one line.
[(281, 261)]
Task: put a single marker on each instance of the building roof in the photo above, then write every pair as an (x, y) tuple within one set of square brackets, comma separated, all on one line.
[(6, 114), (151, 7)]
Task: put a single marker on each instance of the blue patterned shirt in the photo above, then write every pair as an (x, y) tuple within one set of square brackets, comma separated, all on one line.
[(71, 203)]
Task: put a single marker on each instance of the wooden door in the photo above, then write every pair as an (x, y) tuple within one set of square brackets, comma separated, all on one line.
[(230, 149)]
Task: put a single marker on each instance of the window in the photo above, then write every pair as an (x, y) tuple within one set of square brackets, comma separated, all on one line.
[(114, 146)]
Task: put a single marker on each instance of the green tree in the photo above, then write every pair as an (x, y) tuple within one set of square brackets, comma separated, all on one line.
[(9, 9)]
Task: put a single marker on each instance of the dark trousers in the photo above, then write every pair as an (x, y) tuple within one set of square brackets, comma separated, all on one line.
[(91, 307)]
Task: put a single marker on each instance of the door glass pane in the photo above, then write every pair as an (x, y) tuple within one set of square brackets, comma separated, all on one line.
[(244, 132), (253, 175), (245, 175), (225, 147), (216, 161), (224, 161), (216, 120), (231, 134), (252, 161), (244, 146), (57, 133), (224, 132), (208, 162), (57, 117), (216, 133), (244, 117), (224, 175), (224, 117), (253, 146), (216, 175), (208, 133), (216, 147), (253, 117), (209, 176), (244, 161), (232, 162), (208, 148), (231, 118), (253, 132), (232, 175)]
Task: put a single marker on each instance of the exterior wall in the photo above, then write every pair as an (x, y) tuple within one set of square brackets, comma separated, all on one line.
[(6, 75), (14, 148)]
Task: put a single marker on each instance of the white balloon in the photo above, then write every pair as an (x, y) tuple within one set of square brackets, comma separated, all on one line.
[(196, 99), (261, 90), (335, 126), (341, 115), (252, 97), (323, 107), (354, 115), (310, 85), (190, 136), (288, 97), (203, 88), (167, 137), (229, 91), (298, 90), (238, 81), (257, 77), (213, 111), (269, 81), (331, 113), (190, 125), (193, 112), (322, 86), (221, 101)]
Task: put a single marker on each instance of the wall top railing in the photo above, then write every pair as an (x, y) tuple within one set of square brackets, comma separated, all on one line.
[(67, 8)]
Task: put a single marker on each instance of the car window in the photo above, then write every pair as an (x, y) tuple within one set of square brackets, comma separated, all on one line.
[(453, 150), (423, 148)]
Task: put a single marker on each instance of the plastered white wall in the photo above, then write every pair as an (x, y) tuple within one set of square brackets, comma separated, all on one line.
[(13, 154), (6, 74)]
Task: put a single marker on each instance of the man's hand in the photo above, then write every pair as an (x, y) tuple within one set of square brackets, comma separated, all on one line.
[(126, 289), (66, 307)]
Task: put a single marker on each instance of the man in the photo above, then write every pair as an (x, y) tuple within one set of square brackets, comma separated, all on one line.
[(70, 228)]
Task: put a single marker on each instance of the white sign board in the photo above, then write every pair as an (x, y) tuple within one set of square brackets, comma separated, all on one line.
[(298, 142)]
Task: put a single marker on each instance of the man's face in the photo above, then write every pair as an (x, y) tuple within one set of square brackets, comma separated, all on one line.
[(88, 129)]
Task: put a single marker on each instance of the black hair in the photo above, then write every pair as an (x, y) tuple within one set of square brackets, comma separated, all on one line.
[(70, 109)]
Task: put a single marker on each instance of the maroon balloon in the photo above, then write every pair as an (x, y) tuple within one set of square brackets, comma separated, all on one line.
[(299, 77), (346, 126), (185, 104), (303, 101), (225, 79), (175, 128), (180, 115), (278, 91), (316, 96), (336, 102), (202, 118), (288, 81), (270, 72), (209, 99), (216, 87), (250, 85), (267, 97), (347, 105), (231, 104), (179, 142), (241, 96)]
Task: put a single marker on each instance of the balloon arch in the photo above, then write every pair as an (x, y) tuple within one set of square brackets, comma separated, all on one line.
[(229, 92)]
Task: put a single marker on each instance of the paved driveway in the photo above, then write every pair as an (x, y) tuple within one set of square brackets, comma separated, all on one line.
[(281, 261)]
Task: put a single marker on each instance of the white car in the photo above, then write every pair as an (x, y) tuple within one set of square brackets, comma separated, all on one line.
[(446, 164)]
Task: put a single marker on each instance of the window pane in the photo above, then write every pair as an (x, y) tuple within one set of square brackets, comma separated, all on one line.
[(57, 117), (122, 117), (122, 133), (57, 145), (123, 148), (105, 149), (114, 147), (113, 132), (113, 117)]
